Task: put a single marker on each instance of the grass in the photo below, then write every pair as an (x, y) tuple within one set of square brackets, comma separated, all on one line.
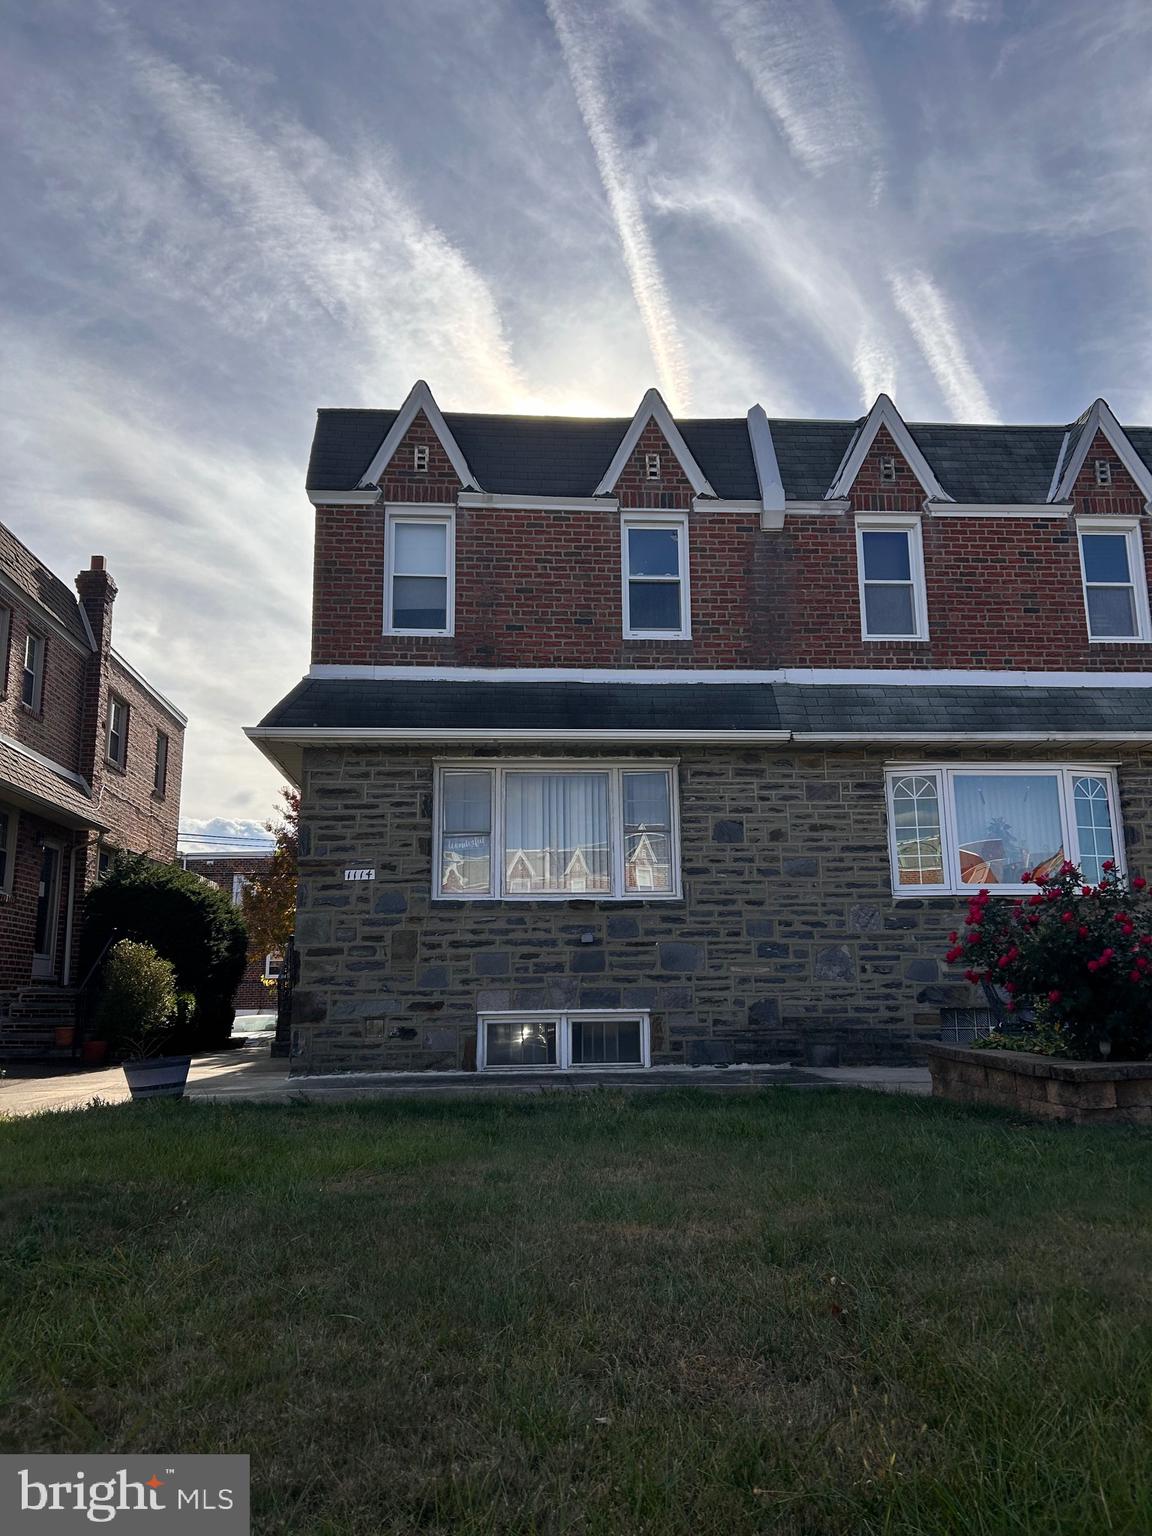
[(608, 1315)]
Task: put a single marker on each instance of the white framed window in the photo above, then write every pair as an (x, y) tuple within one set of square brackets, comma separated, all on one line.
[(420, 572), (1113, 576), (239, 886), (1103, 468), (160, 766), (117, 744), (654, 562), (551, 831), (890, 570), (955, 828), (562, 1041), (32, 677), (420, 458), (273, 965), (5, 641), (9, 820)]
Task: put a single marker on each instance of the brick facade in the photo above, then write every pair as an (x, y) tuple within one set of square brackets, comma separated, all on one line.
[(223, 870), (57, 783), (787, 933)]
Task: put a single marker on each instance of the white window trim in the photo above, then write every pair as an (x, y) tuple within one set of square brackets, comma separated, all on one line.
[(430, 514), (10, 847), (563, 1023), (614, 768), (679, 521), (944, 774), (5, 645), (268, 967), (120, 761), (1130, 527), (880, 522), (37, 703)]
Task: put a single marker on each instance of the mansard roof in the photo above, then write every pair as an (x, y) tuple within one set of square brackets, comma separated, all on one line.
[(566, 456)]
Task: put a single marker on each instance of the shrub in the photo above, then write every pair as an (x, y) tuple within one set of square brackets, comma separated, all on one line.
[(190, 922), (137, 1000), (1074, 960)]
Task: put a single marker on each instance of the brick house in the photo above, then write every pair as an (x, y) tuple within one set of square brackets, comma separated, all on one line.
[(231, 872), (90, 763), (623, 736)]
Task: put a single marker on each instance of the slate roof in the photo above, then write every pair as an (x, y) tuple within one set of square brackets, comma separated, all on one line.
[(27, 778), (37, 582), (567, 455), (880, 710)]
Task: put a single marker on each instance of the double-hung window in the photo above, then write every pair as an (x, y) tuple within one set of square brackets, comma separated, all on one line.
[(1115, 589), (532, 831), (160, 766), (32, 677), (890, 568), (419, 573), (7, 848), (955, 828), (117, 731), (657, 603), (5, 637)]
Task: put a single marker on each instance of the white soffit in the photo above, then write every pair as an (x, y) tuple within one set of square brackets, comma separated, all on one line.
[(419, 399), (885, 414), (1098, 418), (652, 408)]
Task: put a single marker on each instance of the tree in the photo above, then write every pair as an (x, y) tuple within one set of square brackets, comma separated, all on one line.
[(270, 898), (188, 921)]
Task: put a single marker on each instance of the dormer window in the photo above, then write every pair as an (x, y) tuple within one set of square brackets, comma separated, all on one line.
[(887, 467), (652, 466), (1103, 469), (420, 458)]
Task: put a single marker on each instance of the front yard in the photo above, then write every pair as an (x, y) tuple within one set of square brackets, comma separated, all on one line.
[(672, 1314)]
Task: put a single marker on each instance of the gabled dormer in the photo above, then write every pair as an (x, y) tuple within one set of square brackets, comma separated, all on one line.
[(419, 459), (884, 460), (653, 465), (1097, 460)]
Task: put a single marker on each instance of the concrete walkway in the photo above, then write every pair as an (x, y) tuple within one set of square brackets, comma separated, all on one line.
[(250, 1073)]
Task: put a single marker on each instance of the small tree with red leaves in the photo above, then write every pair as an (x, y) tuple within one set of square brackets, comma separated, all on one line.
[(270, 898), (1074, 960)]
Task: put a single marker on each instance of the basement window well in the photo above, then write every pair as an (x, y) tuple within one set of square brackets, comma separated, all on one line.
[(559, 1042)]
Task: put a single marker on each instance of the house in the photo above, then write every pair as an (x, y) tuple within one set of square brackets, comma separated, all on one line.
[(90, 763), (232, 872), (625, 735)]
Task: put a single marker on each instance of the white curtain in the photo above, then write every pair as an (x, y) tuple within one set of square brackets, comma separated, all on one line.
[(556, 832)]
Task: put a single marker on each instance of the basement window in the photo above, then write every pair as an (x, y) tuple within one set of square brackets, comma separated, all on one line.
[(420, 458), (1103, 471), (652, 466), (960, 828), (562, 1041)]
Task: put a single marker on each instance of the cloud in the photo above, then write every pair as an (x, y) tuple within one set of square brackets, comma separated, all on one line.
[(803, 64), (584, 64), (932, 323), (221, 834)]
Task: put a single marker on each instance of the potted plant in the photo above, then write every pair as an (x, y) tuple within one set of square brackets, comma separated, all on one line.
[(139, 1012), (1068, 971)]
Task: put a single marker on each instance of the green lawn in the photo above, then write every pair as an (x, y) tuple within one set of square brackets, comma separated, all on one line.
[(672, 1313)]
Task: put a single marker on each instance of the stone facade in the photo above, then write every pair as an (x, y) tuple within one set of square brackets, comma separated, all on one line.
[(787, 933)]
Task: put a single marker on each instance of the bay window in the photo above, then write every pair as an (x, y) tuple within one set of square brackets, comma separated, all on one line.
[(654, 561), (955, 828), (419, 573), (890, 570), (549, 831), (562, 1041), (1112, 569)]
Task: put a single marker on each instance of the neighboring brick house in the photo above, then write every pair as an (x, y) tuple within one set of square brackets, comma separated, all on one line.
[(90, 763), (625, 736), (232, 872)]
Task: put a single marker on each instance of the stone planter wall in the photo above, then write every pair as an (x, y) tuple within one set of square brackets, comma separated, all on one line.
[(1084, 1092)]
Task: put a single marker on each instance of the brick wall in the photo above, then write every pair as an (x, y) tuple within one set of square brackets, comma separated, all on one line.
[(788, 931), (138, 817), (543, 588), (55, 729)]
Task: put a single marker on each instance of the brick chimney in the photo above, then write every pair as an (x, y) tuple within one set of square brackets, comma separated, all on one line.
[(97, 594)]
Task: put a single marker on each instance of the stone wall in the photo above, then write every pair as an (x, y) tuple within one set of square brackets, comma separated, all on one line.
[(787, 932), (1045, 1087)]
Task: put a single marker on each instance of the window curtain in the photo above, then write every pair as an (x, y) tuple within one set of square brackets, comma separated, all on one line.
[(1007, 824), (556, 832)]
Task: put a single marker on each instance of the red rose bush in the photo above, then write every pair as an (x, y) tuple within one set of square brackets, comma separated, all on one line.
[(1073, 961)]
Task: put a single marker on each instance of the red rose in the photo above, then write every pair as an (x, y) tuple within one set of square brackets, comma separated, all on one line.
[(1026, 877), (1083, 932), (1138, 884), (1054, 996), (953, 954), (1093, 965), (1085, 890), (1133, 975), (1108, 864)]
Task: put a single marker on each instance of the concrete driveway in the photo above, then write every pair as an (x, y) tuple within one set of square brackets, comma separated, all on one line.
[(250, 1073)]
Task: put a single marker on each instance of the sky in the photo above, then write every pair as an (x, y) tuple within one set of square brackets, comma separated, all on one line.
[(219, 217)]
